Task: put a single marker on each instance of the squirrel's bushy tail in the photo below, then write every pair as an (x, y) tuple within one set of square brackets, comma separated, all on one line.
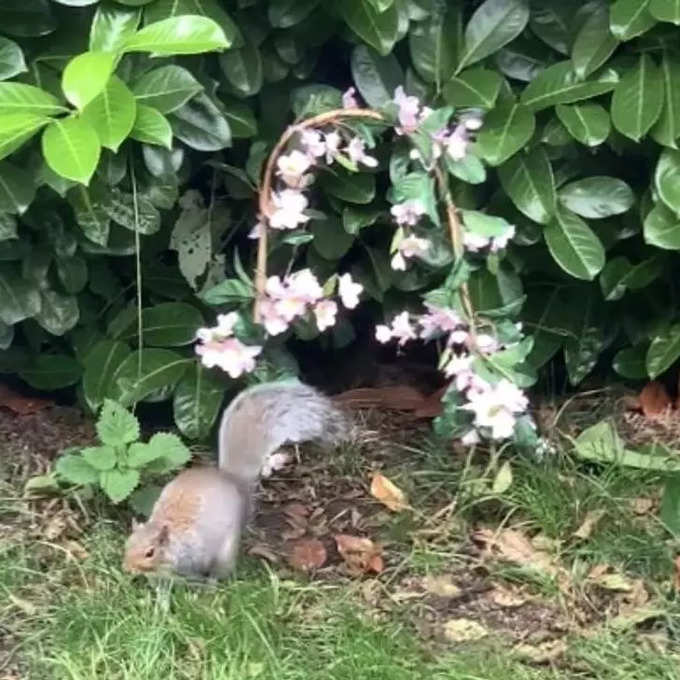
[(265, 417)]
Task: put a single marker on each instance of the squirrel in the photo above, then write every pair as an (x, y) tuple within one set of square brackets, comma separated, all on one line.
[(196, 524)]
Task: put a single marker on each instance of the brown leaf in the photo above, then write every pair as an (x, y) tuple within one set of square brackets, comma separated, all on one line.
[(76, 551), (506, 598), (545, 652), (464, 630), (432, 405), (307, 554), (442, 585), (296, 510), (388, 493), (393, 398), (19, 404), (586, 528), (360, 554), (654, 399), (513, 546), (264, 551)]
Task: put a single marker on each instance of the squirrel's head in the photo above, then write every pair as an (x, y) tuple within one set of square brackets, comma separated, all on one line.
[(145, 548)]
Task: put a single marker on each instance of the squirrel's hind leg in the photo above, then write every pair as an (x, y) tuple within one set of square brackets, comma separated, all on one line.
[(225, 560)]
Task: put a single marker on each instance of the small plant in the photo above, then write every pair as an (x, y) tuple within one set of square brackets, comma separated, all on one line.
[(121, 461)]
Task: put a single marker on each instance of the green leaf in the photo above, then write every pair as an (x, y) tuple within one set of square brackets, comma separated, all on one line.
[(662, 228), (665, 10), (434, 45), (8, 227), (638, 99), (551, 22), (484, 225), (72, 272), (663, 351), (558, 84), (588, 124), (112, 26), (667, 129), (287, 13), (24, 19), (86, 76), (90, 214), (241, 120), (51, 372), (140, 454), (178, 35), (507, 128), (631, 363), (166, 88), (528, 180), (670, 505), (667, 179), (243, 69), (151, 127), (191, 238), (120, 207), (71, 148), (503, 479), (354, 219), (100, 457), (379, 29), (18, 128), (201, 125), (197, 402), (350, 187), (619, 275), (630, 18), (172, 449), (331, 241), (376, 77), (17, 189), (12, 61), (594, 43), (58, 313), (494, 24), (112, 114), (586, 339), (229, 291), (119, 484), (76, 470), (169, 324), (469, 169), (476, 87), (574, 246), (161, 368), (597, 197), (27, 99), (20, 298), (116, 426), (144, 498), (100, 363)]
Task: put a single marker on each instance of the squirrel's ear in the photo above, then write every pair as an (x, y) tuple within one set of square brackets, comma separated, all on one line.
[(163, 535)]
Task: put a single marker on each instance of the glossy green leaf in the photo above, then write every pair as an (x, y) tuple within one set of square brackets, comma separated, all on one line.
[(631, 363), (638, 99), (667, 179), (27, 99), (587, 123), (594, 43), (197, 401), (169, 324), (574, 245), (494, 24), (12, 61), (469, 169), (597, 197), (507, 128), (8, 226), (51, 372), (242, 121), (551, 21), (86, 76), (20, 298), (101, 363), (558, 84), (190, 34), (17, 189), (620, 275), (90, 214), (58, 313), (112, 25), (376, 77), (477, 87), (350, 187), (670, 505), (331, 240), (663, 352), (379, 29), (71, 148), (287, 13), (667, 128), (72, 272), (121, 208), (151, 127), (112, 114), (27, 19), (201, 125), (586, 339), (18, 128), (665, 10), (166, 88), (630, 18), (662, 228), (243, 70), (229, 291), (528, 180)]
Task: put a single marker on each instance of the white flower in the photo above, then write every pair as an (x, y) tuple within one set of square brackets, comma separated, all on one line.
[(474, 242), (274, 323), (408, 212), (472, 122), (226, 323), (457, 143), (325, 312), (257, 231), (332, 140), (398, 263), (231, 355), (313, 143), (349, 291), (402, 328), (292, 168), (383, 333), (438, 320), (500, 242), (412, 246), (305, 285), (458, 337), (357, 154), (470, 438), (349, 100), (458, 364), (486, 343), (289, 205), (409, 107), (496, 407)]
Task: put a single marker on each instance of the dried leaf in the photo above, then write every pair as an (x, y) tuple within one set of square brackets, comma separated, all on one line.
[(393, 398), (388, 493), (19, 404), (307, 554), (611, 580), (464, 630), (264, 551), (506, 598), (360, 554), (442, 585), (546, 652), (431, 406), (654, 399), (296, 510), (76, 551), (642, 505), (586, 528), (513, 546)]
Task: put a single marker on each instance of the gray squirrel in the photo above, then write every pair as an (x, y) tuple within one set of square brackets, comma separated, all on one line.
[(196, 524)]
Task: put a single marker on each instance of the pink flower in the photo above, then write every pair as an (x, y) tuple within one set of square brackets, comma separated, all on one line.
[(256, 231), (290, 205), (325, 312), (458, 364), (486, 343), (313, 143), (231, 355), (412, 246), (409, 108), (349, 291), (349, 100), (357, 154), (402, 328), (292, 168), (474, 242), (496, 407), (408, 213), (457, 143), (333, 141), (500, 242), (383, 333), (398, 263), (470, 438), (273, 323), (438, 320), (305, 285)]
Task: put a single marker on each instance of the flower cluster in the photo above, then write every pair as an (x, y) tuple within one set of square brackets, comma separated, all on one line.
[(495, 406), (220, 348), (300, 293), (474, 242)]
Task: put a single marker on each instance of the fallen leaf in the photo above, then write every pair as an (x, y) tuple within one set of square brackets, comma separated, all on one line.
[(55, 527), (464, 630), (633, 618), (76, 551), (431, 406), (307, 554), (506, 598), (264, 551), (546, 652), (388, 493), (642, 505), (442, 585), (654, 399), (360, 554), (613, 581), (296, 510), (19, 404), (513, 546), (588, 524), (394, 398)]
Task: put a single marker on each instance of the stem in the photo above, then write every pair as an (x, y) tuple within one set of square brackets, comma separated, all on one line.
[(268, 177), (138, 267)]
